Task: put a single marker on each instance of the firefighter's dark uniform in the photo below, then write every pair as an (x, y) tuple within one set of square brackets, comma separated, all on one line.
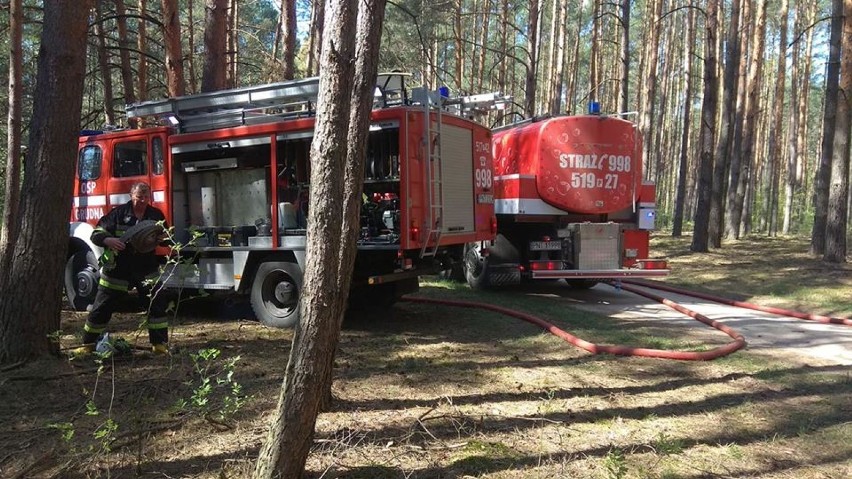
[(125, 270)]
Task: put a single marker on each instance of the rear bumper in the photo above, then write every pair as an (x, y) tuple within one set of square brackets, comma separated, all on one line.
[(599, 273)]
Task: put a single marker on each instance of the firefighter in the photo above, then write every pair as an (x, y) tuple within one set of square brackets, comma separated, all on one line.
[(128, 264)]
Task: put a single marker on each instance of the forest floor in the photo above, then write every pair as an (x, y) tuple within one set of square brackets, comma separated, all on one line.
[(427, 391)]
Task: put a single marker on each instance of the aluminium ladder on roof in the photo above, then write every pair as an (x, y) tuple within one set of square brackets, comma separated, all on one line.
[(256, 104)]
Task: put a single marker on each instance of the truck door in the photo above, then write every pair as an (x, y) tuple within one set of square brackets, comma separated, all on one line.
[(135, 159)]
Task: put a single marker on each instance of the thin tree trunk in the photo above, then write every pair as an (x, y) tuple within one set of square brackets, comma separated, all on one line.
[(559, 62), (215, 37), (288, 15), (755, 73), (838, 196), (776, 128), (174, 55), (459, 48), (594, 53), (26, 326), (532, 66), (341, 124), (483, 41), (142, 46), (677, 227), (315, 37), (124, 52), (823, 174), (708, 126), (625, 56), (192, 72), (104, 65), (730, 84), (649, 83), (8, 228), (792, 135), (233, 52)]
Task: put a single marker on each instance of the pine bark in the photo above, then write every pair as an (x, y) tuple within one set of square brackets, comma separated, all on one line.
[(8, 227), (342, 121), (823, 173), (104, 64), (708, 126), (532, 65), (142, 46), (624, 105), (37, 258), (730, 83), (677, 227), (124, 52), (649, 83), (776, 127), (315, 37), (740, 175), (288, 24), (174, 55), (838, 196), (214, 77)]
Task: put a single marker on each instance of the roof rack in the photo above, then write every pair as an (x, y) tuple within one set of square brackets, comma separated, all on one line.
[(257, 104)]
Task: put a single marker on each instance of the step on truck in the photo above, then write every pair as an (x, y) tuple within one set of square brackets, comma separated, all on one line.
[(570, 204), (231, 171)]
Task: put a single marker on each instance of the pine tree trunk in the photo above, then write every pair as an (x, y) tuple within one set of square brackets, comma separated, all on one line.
[(315, 38), (142, 46), (823, 174), (730, 84), (288, 24), (838, 196), (740, 182), (708, 126), (215, 37), (776, 128), (559, 61), (104, 65), (174, 55), (12, 195), (124, 52), (532, 65), (26, 326), (624, 106), (649, 84), (233, 52), (688, 52), (341, 126), (792, 135)]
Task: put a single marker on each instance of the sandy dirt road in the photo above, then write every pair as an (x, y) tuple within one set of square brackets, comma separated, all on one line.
[(764, 332)]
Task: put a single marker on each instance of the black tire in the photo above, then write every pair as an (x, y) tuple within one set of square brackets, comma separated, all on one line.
[(475, 267), (275, 294), (81, 280), (581, 283)]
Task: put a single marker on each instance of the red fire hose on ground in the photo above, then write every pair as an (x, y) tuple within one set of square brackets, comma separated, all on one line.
[(741, 304), (738, 343)]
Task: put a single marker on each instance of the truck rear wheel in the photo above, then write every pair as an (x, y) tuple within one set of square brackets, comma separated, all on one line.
[(81, 280), (475, 266), (275, 294)]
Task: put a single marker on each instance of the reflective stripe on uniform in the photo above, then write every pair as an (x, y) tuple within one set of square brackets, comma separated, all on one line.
[(112, 283), (89, 328), (158, 323)]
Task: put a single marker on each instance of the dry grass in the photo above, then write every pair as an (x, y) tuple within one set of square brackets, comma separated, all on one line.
[(427, 391)]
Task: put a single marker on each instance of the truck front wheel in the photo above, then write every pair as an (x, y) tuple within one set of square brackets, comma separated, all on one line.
[(81, 280), (275, 294)]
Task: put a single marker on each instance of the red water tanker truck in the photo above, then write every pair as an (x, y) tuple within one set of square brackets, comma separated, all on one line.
[(570, 204)]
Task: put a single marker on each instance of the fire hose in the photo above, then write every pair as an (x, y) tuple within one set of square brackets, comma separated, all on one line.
[(620, 350)]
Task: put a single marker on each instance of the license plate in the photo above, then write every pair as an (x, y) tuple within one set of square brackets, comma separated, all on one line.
[(545, 245)]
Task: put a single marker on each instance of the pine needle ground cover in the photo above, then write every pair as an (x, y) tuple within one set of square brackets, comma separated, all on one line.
[(427, 391)]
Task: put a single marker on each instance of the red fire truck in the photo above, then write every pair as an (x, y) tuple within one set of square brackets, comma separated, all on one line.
[(231, 169), (570, 204)]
